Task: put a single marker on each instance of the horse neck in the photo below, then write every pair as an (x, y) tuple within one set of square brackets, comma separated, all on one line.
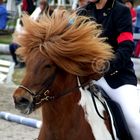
[(63, 85), (67, 85), (64, 115)]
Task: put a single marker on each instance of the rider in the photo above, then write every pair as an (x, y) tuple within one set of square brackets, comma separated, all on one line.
[(120, 81)]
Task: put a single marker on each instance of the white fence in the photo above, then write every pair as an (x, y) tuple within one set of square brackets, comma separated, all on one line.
[(136, 36), (4, 48), (6, 71)]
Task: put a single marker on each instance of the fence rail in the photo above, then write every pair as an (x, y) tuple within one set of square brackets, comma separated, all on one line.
[(136, 36)]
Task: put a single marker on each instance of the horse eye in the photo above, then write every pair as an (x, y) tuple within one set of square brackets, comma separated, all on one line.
[(48, 66)]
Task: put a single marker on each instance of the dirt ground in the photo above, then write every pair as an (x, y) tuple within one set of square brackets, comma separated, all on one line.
[(11, 130)]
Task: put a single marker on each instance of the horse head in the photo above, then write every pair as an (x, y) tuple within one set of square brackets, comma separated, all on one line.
[(53, 43)]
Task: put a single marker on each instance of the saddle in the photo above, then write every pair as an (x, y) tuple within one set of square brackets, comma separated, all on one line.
[(114, 112)]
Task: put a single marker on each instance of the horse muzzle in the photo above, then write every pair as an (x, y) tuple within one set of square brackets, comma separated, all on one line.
[(23, 101), (24, 105)]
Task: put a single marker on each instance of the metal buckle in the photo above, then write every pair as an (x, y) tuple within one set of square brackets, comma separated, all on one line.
[(49, 98), (46, 92)]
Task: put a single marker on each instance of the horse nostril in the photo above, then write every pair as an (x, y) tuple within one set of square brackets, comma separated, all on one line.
[(24, 101), (21, 102)]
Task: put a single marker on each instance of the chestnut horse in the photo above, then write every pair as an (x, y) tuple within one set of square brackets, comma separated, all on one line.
[(61, 59)]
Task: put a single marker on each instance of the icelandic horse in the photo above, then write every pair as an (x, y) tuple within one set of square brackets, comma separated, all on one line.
[(63, 53)]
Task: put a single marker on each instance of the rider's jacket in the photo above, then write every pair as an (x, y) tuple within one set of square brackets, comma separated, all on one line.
[(116, 22)]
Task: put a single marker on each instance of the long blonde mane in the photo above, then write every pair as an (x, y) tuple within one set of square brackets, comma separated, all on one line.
[(71, 42)]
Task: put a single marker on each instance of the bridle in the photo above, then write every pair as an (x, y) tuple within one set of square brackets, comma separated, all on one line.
[(43, 94), (45, 97)]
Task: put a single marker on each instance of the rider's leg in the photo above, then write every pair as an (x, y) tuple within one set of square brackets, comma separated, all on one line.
[(12, 48), (127, 97)]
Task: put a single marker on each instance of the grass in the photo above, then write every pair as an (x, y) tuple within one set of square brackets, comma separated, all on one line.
[(6, 39), (18, 75)]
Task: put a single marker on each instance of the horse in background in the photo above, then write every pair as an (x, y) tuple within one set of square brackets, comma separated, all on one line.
[(62, 57)]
